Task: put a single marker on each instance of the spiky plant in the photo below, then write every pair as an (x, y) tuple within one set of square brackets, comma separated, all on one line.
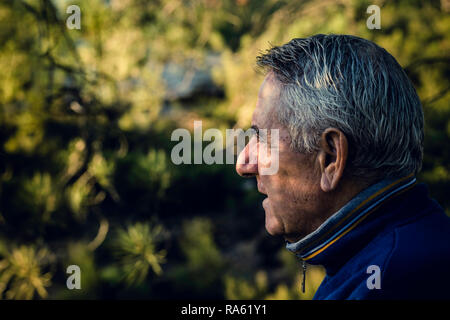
[(136, 249), (21, 273)]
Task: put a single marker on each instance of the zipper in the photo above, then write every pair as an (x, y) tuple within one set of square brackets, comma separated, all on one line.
[(304, 275)]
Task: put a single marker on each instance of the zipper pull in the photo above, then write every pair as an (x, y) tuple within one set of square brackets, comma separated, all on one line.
[(304, 275)]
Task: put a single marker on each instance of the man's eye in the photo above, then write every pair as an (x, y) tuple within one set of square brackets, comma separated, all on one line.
[(256, 131)]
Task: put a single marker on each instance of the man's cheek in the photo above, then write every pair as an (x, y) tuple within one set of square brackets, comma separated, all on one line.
[(269, 158)]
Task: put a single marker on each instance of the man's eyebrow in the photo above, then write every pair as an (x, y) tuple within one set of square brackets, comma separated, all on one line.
[(255, 127)]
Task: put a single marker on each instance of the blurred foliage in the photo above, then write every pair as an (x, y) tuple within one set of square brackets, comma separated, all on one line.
[(136, 250), (239, 289), (85, 123), (287, 288), (21, 275), (203, 263)]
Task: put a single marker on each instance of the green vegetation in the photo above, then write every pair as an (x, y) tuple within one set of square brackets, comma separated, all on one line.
[(85, 123)]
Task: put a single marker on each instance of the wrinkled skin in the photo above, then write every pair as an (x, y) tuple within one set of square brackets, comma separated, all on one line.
[(307, 188)]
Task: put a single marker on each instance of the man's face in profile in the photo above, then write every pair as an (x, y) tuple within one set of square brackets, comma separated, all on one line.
[(294, 204)]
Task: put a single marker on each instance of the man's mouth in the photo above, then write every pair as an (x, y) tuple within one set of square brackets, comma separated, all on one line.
[(261, 190)]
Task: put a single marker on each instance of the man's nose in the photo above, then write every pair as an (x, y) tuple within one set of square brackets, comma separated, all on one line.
[(247, 161)]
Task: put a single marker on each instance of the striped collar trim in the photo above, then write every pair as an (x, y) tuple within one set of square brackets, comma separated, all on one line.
[(349, 216)]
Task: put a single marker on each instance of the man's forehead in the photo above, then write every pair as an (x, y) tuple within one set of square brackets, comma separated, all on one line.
[(269, 87), (268, 99)]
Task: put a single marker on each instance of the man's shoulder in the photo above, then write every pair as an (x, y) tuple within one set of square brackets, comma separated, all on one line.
[(408, 261), (426, 238), (418, 265), (419, 238)]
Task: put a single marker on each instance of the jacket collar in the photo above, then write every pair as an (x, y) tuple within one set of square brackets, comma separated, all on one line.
[(319, 246)]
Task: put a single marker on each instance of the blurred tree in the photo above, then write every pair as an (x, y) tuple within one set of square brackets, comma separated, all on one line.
[(137, 253), (201, 275), (85, 123), (20, 273)]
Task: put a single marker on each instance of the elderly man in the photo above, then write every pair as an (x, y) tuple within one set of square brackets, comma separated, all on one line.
[(345, 195)]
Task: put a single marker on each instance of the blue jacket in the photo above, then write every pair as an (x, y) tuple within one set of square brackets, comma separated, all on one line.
[(389, 242)]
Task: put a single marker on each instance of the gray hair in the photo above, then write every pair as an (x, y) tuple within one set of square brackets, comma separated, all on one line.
[(356, 86)]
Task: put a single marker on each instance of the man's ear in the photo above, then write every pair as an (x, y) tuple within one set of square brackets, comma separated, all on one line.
[(332, 158)]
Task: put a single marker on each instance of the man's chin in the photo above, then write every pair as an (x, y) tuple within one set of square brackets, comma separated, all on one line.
[(289, 238), (272, 232), (273, 228)]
